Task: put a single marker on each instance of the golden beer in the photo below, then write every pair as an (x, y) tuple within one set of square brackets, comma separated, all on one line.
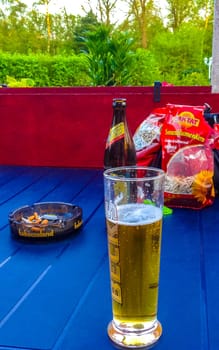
[(134, 242)]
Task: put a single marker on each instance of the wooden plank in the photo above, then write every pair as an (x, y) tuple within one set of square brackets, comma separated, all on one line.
[(209, 228), (181, 295), (36, 275), (87, 326), (6, 173), (51, 286), (61, 291), (58, 184), (180, 302), (42, 184)]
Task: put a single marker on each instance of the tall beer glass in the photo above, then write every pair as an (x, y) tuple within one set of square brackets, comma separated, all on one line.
[(133, 207)]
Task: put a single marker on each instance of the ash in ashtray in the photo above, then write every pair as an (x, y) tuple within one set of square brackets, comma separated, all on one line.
[(45, 220)]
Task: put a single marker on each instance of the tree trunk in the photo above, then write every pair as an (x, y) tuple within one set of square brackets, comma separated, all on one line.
[(215, 53), (139, 9), (48, 24)]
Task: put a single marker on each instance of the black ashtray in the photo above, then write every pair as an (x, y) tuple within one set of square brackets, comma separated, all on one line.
[(45, 220)]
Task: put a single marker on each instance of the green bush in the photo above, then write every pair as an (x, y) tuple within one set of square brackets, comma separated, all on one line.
[(145, 70), (45, 70), (140, 67)]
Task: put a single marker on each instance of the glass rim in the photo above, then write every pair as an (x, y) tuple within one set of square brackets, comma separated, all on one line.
[(110, 174)]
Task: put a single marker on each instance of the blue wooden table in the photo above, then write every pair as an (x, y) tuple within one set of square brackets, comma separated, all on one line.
[(56, 295)]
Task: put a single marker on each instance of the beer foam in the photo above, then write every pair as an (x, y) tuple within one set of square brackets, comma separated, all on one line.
[(140, 214)]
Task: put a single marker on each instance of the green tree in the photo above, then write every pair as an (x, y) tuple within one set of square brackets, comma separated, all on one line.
[(110, 56), (104, 10), (47, 19), (84, 26), (141, 14), (64, 29), (181, 11), (183, 49), (155, 49), (12, 25), (62, 37), (146, 68)]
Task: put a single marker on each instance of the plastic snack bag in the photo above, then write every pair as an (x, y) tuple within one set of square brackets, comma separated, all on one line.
[(187, 157), (147, 138)]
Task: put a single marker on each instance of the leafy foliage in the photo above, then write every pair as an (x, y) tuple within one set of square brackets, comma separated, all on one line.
[(109, 56), (65, 50), (12, 82), (146, 68), (84, 25), (44, 70), (184, 51)]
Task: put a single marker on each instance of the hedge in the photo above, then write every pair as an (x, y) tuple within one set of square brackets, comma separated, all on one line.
[(44, 70)]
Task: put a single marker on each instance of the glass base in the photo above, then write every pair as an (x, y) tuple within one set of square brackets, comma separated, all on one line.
[(134, 340)]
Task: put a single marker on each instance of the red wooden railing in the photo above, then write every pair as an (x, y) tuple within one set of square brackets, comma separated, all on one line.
[(69, 126)]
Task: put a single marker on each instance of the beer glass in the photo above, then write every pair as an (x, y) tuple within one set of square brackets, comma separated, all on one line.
[(133, 208)]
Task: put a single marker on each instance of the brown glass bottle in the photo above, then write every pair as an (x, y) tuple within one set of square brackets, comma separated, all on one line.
[(120, 148)]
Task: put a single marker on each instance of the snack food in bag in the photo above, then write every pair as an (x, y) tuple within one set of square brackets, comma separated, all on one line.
[(187, 157), (184, 142), (147, 138)]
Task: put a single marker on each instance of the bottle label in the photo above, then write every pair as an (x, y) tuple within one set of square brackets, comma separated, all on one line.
[(116, 133), (114, 254)]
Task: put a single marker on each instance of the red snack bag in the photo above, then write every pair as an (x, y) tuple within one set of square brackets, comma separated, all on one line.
[(187, 157), (147, 137)]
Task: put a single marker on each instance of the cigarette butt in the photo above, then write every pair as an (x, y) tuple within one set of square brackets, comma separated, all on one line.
[(35, 229)]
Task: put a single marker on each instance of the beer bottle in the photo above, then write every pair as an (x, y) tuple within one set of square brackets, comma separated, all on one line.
[(120, 148)]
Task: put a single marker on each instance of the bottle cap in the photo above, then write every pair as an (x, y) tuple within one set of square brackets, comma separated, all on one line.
[(119, 102)]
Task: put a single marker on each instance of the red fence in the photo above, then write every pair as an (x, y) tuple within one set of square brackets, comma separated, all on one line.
[(69, 126)]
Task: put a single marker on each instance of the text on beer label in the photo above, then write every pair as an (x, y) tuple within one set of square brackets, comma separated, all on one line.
[(113, 243), (117, 132)]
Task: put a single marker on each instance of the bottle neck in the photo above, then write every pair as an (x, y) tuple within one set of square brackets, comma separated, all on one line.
[(119, 116)]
